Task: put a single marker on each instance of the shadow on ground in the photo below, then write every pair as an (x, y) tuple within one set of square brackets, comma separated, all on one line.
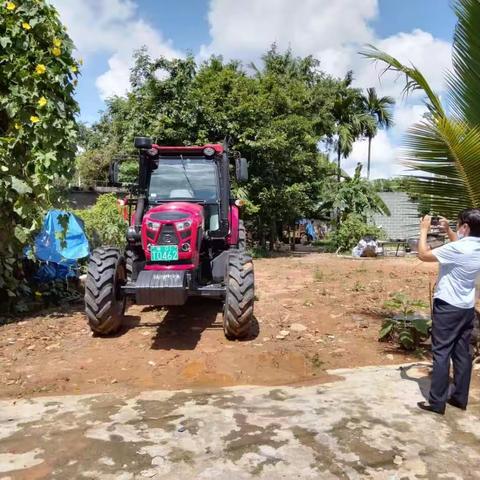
[(422, 379), (182, 327)]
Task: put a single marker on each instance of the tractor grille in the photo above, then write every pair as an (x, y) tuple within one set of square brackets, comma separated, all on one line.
[(168, 236), (168, 215)]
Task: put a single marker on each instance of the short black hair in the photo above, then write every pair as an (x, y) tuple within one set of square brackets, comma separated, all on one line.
[(471, 217)]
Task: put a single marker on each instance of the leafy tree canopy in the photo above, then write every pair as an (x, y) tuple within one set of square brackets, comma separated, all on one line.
[(37, 123)]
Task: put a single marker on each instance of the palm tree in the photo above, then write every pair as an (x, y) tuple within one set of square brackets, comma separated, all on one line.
[(380, 109), (351, 121), (443, 149)]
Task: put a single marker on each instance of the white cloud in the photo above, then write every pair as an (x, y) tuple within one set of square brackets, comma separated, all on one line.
[(112, 27), (247, 29), (384, 159), (406, 115), (432, 56)]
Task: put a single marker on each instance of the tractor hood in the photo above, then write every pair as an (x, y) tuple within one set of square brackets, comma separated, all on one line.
[(176, 224)]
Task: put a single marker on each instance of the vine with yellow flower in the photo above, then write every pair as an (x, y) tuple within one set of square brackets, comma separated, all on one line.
[(38, 74)]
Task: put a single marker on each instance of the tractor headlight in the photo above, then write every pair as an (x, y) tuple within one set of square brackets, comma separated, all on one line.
[(183, 225), (209, 151), (153, 225)]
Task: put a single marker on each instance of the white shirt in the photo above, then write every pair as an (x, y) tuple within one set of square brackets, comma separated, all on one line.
[(459, 272)]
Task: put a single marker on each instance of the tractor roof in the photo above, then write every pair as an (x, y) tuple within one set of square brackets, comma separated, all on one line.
[(190, 150)]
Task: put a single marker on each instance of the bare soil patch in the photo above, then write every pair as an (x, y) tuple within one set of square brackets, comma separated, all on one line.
[(314, 312)]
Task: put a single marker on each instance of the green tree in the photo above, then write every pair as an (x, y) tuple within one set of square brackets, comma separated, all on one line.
[(380, 109), (445, 147), (350, 119), (93, 166), (37, 124), (354, 195)]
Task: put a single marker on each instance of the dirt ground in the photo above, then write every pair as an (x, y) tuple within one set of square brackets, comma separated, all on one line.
[(314, 312)]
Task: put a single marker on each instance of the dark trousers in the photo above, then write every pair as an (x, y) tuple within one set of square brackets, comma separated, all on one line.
[(451, 334)]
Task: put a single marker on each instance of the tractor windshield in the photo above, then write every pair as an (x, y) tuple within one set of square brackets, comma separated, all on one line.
[(184, 179)]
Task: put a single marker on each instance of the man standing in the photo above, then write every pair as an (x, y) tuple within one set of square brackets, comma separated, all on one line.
[(453, 308)]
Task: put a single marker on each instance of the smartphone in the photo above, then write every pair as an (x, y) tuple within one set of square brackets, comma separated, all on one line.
[(435, 221)]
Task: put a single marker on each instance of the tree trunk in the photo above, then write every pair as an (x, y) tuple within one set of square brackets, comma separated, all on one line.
[(339, 166), (261, 232), (273, 234), (369, 156), (292, 244)]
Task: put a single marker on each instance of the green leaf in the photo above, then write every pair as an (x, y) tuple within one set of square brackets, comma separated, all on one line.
[(422, 326), (406, 339), (20, 186), (5, 42), (387, 328), (20, 234)]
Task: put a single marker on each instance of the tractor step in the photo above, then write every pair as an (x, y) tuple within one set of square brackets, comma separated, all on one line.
[(159, 288), (168, 288)]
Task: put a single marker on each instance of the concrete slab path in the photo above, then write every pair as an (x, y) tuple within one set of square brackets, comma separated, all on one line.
[(365, 425)]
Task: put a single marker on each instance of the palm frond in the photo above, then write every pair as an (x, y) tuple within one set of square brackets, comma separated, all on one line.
[(414, 79), (444, 153), (448, 152), (382, 207), (464, 81)]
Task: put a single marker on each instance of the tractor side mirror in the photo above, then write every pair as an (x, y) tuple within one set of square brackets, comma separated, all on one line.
[(143, 143), (241, 170), (113, 173)]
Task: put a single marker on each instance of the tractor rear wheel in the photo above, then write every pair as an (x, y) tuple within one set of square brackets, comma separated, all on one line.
[(240, 296), (242, 236), (104, 300)]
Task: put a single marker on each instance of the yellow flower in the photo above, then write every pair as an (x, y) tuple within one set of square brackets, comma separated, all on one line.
[(18, 126), (42, 101), (80, 61), (57, 42), (74, 69), (26, 26), (11, 6), (40, 69), (34, 119), (56, 51)]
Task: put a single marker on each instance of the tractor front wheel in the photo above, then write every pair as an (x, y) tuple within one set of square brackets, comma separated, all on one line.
[(240, 296), (104, 300)]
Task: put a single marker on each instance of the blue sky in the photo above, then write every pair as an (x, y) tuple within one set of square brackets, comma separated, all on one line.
[(106, 33)]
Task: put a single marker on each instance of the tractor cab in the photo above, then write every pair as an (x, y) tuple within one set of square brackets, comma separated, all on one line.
[(184, 239)]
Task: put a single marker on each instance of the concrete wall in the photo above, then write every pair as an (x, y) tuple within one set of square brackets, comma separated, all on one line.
[(403, 222), (79, 199)]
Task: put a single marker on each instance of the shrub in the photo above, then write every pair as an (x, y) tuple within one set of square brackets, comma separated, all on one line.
[(37, 125), (404, 325), (104, 224), (351, 232)]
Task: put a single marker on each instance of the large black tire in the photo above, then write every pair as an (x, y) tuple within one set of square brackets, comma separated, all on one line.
[(104, 301), (132, 256), (242, 236), (240, 296)]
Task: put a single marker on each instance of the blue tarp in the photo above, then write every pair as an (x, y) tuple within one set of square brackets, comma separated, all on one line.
[(62, 260), (48, 244)]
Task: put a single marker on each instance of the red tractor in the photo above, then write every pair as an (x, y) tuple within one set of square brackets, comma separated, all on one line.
[(184, 239)]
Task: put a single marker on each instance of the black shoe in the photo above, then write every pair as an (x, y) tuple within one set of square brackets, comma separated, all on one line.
[(425, 406), (455, 404)]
